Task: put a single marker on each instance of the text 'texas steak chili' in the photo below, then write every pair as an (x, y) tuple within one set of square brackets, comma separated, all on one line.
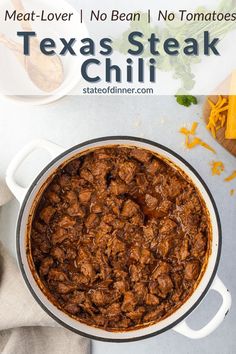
[(120, 238)]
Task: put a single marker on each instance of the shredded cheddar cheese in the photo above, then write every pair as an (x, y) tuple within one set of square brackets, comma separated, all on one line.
[(231, 177), (191, 140), (217, 118), (217, 167), (206, 146), (230, 131), (194, 128), (185, 131), (190, 144)]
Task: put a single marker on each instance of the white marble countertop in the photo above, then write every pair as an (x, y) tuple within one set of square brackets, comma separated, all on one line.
[(75, 119)]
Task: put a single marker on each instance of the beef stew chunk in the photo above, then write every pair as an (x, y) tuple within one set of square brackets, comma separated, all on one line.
[(120, 238)]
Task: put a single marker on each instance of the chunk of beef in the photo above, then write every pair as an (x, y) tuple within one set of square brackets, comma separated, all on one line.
[(184, 250), (76, 182), (194, 203), (100, 320), (78, 297), (137, 314), (102, 154), (174, 187), (129, 302), (70, 253), (168, 226), (80, 280), (146, 256), (199, 245), (127, 171), (58, 236), (142, 182), (152, 300), (130, 208), (40, 227), (58, 254), (57, 275), (118, 187), (73, 167), (96, 208), (140, 290), (87, 270), (47, 213), (137, 219), (155, 314), (85, 196), (177, 279), (141, 155), (150, 230), (135, 253), (165, 206), (135, 273), (153, 287), (44, 245), (65, 288), (64, 181), (124, 323), (113, 310), (99, 297), (54, 187), (176, 297), (151, 201), (121, 286), (190, 215), (161, 268), (53, 197), (83, 254), (114, 204), (87, 175), (164, 246), (165, 284), (88, 307), (74, 208), (115, 246), (92, 221), (154, 166), (72, 308), (100, 168), (66, 222), (192, 270), (45, 265)]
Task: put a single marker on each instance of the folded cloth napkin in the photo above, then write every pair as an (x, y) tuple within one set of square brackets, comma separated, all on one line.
[(24, 327), (5, 194)]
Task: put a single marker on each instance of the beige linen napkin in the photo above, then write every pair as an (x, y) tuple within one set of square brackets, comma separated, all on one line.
[(24, 327), (5, 194)]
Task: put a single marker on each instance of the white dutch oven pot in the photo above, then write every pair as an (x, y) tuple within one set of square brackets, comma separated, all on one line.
[(177, 320)]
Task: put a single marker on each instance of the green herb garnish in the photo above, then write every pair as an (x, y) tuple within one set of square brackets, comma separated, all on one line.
[(186, 100), (181, 67)]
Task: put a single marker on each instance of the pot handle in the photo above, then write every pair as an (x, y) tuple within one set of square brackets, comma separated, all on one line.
[(18, 191), (185, 330)]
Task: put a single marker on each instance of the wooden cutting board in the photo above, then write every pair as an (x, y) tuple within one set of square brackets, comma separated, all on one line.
[(228, 144)]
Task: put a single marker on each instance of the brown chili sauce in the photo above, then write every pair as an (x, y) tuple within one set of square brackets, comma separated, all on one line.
[(120, 238)]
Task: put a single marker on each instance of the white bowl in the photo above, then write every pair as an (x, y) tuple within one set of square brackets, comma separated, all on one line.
[(15, 83), (176, 320)]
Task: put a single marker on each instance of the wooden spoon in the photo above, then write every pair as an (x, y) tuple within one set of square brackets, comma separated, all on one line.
[(46, 72), (228, 144), (15, 47)]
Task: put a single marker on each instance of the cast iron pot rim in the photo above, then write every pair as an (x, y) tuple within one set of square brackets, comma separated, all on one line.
[(84, 144)]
